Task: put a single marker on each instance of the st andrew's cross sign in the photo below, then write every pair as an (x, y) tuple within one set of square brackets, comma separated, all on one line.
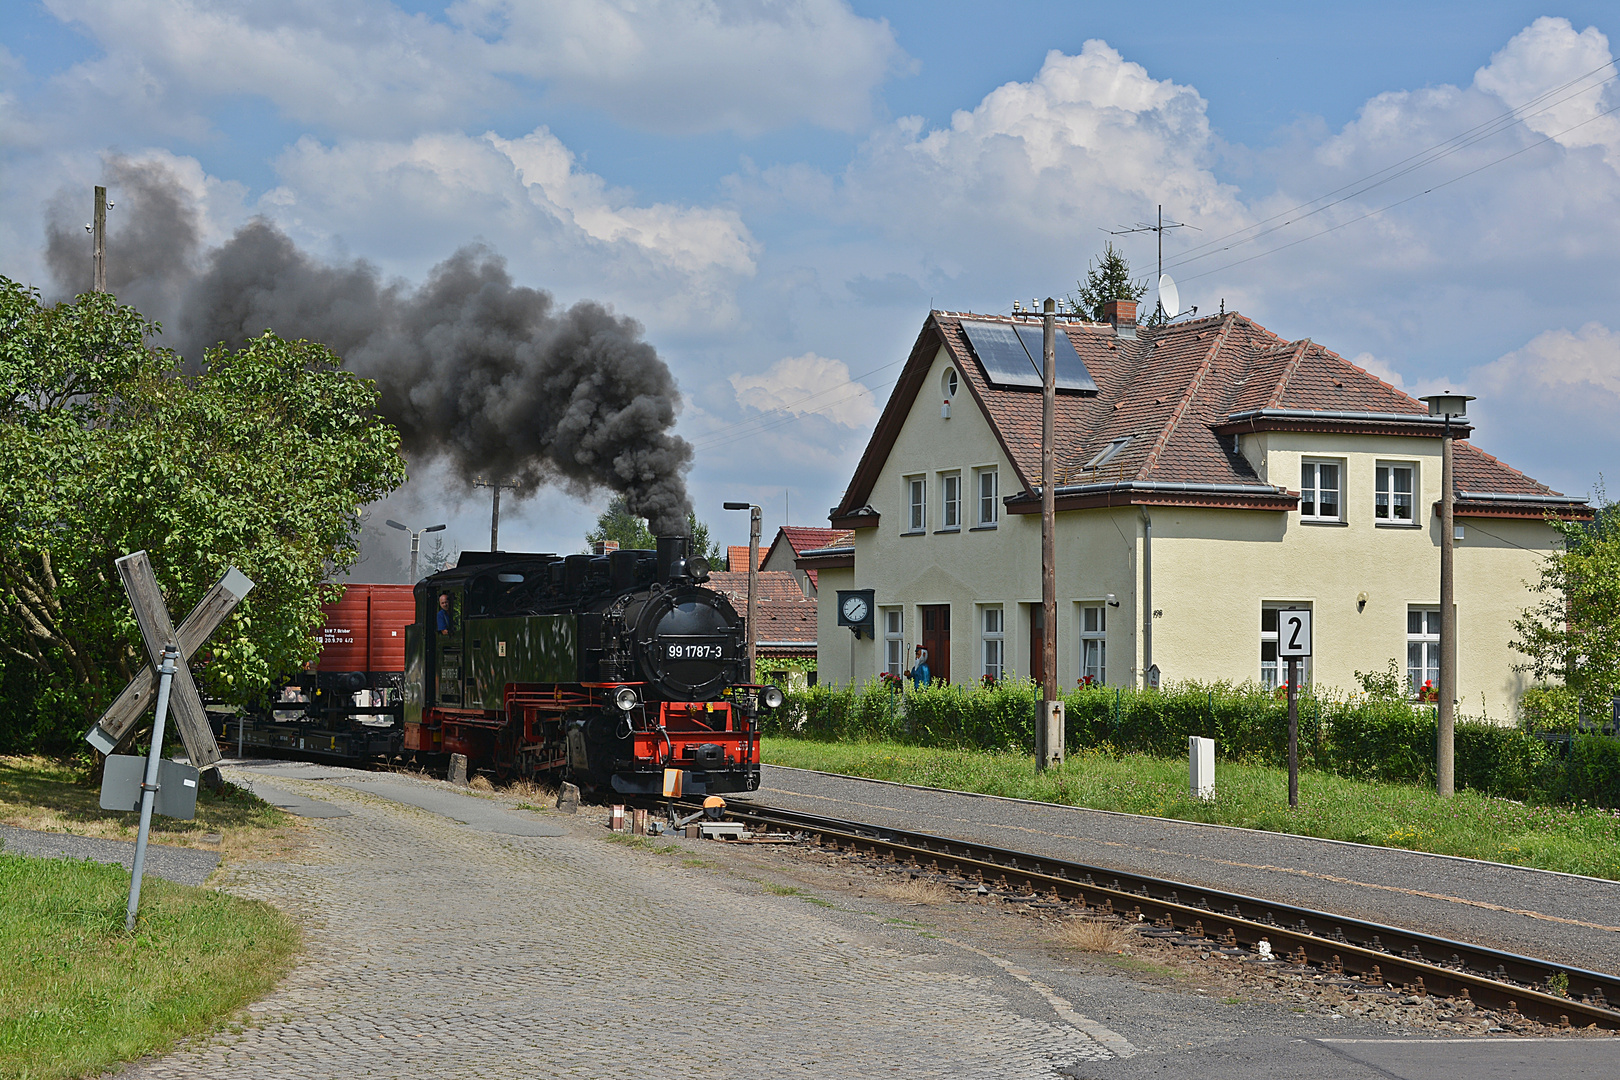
[(117, 724)]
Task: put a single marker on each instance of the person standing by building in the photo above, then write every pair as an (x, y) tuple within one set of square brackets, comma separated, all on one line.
[(920, 675)]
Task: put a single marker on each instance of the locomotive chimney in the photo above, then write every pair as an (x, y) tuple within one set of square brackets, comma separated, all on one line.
[(671, 557)]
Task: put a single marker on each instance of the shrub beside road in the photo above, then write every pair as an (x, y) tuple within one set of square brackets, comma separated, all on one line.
[(1372, 733)]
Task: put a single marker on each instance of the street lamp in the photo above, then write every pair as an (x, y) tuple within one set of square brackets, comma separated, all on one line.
[(416, 540), (1451, 406), (753, 575)]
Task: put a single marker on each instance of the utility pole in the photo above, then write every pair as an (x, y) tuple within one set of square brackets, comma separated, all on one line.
[(495, 510), (98, 240), (1447, 405), (754, 515), (1049, 732)]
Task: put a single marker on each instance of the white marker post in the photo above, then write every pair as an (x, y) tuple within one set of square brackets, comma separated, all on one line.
[(1201, 766), (1293, 642), (149, 787)]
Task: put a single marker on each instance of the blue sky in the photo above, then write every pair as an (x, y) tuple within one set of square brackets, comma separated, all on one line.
[(778, 190)]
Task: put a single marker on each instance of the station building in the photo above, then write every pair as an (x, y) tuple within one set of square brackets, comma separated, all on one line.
[(1216, 474)]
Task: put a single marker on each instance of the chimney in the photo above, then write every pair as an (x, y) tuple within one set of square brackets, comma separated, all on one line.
[(1122, 314)]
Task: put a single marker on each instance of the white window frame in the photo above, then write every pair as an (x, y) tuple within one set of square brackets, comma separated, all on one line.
[(1273, 670), (950, 501), (894, 640), (1426, 639), (988, 505), (1093, 641), (1310, 488), (949, 383), (993, 640), (1386, 498), (916, 492)]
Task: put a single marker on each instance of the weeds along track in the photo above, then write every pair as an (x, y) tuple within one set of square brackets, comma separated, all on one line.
[(1300, 940)]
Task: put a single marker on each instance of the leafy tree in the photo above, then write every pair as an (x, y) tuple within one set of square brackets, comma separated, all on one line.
[(1109, 278), (107, 445), (1572, 634), (618, 523), (701, 544)]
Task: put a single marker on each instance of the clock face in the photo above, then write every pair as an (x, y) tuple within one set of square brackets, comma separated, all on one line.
[(855, 609)]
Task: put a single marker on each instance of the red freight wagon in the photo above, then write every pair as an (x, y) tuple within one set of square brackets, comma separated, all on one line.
[(365, 630), (347, 703)]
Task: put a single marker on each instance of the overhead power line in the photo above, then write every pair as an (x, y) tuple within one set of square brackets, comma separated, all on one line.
[(1407, 199), (1437, 152)]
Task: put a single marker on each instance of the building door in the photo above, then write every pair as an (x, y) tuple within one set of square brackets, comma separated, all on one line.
[(1037, 647), (936, 638)]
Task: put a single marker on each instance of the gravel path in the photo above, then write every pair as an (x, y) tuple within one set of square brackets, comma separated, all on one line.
[(188, 866), (445, 944), (1558, 916)]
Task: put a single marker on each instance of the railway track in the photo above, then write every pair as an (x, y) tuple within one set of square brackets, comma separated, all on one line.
[(1362, 954)]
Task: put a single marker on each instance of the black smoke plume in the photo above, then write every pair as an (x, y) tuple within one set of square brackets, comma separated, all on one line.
[(473, 370)]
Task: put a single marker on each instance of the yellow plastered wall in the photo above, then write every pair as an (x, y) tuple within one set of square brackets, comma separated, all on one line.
[(1213, 569)]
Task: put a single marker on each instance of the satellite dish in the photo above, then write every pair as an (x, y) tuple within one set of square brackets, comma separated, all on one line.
[(1169, 297)]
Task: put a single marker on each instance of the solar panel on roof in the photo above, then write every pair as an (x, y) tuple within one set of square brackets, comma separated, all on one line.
[(1012, 356)]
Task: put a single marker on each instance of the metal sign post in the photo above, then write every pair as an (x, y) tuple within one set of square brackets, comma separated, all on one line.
[(149, 787), (117, 724), (1293, 642)]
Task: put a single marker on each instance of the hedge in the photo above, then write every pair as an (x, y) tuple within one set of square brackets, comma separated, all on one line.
[(1373, 735)]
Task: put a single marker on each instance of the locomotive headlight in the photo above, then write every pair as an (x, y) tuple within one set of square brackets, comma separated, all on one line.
[(771, 697), (626, 698)]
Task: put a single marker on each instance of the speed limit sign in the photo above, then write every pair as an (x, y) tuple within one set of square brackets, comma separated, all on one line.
[(1293, 632)]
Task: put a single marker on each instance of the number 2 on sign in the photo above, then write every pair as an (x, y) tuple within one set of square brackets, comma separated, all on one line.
[(1293, 633)]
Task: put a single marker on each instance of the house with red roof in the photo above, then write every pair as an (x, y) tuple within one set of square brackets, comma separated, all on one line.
[(1209, 474), (793, 541)]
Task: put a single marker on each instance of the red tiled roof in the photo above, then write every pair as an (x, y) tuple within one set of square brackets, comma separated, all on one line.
[(773, 585), (1179, 393), (802, 538), (783, 612), (737, 556)]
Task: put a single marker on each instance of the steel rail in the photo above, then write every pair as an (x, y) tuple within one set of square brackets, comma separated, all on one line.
[(1337, 947)]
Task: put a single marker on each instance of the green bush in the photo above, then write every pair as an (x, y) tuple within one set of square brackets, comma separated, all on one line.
[(1371, 734)]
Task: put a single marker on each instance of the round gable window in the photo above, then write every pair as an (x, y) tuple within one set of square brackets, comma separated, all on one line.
[(948, 383)]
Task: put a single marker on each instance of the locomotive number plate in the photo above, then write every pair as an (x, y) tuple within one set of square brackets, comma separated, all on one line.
[(695, 652)]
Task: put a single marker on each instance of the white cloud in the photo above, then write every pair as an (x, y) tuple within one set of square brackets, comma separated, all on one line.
[(1584, 363), (1090, 137), (362, 65), (694, 65), (528, 197), (809, 385), (367, 67), (1544, 56)]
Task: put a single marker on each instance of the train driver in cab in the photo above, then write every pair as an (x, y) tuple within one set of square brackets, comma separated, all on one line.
[(447, 617)]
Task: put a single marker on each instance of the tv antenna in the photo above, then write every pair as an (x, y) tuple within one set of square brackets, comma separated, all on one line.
[(1169, 297)]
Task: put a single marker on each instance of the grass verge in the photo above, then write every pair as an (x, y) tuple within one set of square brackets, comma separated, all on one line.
[(1574, 840), (52, 796), (78, 994)]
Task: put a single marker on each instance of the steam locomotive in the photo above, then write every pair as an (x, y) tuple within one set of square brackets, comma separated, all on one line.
[(606, 670)]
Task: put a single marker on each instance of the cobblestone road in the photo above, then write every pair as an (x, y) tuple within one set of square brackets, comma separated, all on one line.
[(437, 950)]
